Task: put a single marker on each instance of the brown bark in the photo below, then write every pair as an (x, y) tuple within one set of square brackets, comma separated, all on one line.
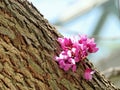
[(27, 47)]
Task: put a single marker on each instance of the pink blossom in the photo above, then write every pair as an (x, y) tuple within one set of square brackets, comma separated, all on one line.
[(88, 74), (83, 39), (67, 67), (73, 51), (88, 44), (91, 46), (74, 68), (66, 43)]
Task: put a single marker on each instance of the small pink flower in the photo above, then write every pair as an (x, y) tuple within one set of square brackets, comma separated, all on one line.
[(74, 68), (71, 61), (62, 56), (83, 39), (88, 74), (73, 51), (67, 67), (61, 63), (91, 46), (66, 43)]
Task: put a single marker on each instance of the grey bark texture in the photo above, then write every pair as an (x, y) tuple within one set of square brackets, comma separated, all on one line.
[(28, 44)]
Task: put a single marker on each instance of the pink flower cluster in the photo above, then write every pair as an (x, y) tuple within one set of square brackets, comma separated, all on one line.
[(74, 51)]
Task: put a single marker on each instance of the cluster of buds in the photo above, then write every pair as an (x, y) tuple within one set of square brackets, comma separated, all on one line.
[(73, 51)]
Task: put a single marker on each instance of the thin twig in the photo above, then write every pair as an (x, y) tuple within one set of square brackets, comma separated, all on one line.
[(112, 72)]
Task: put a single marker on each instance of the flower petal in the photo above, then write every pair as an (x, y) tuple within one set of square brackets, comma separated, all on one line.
[(74, 68), (67, 67), (88, 74)]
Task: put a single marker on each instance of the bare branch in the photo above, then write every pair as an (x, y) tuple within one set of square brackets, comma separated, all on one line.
[(79, 9), (112, 72)]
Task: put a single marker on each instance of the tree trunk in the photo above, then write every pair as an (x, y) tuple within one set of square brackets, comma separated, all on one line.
[(28, 44)]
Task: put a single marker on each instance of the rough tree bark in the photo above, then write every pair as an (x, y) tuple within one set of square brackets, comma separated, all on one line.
[(27, 47)]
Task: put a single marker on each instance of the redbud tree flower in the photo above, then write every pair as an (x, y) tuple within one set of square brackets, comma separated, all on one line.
[(73, 51)]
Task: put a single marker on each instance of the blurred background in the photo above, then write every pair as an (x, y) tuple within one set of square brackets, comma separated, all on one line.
[(96, 18)]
